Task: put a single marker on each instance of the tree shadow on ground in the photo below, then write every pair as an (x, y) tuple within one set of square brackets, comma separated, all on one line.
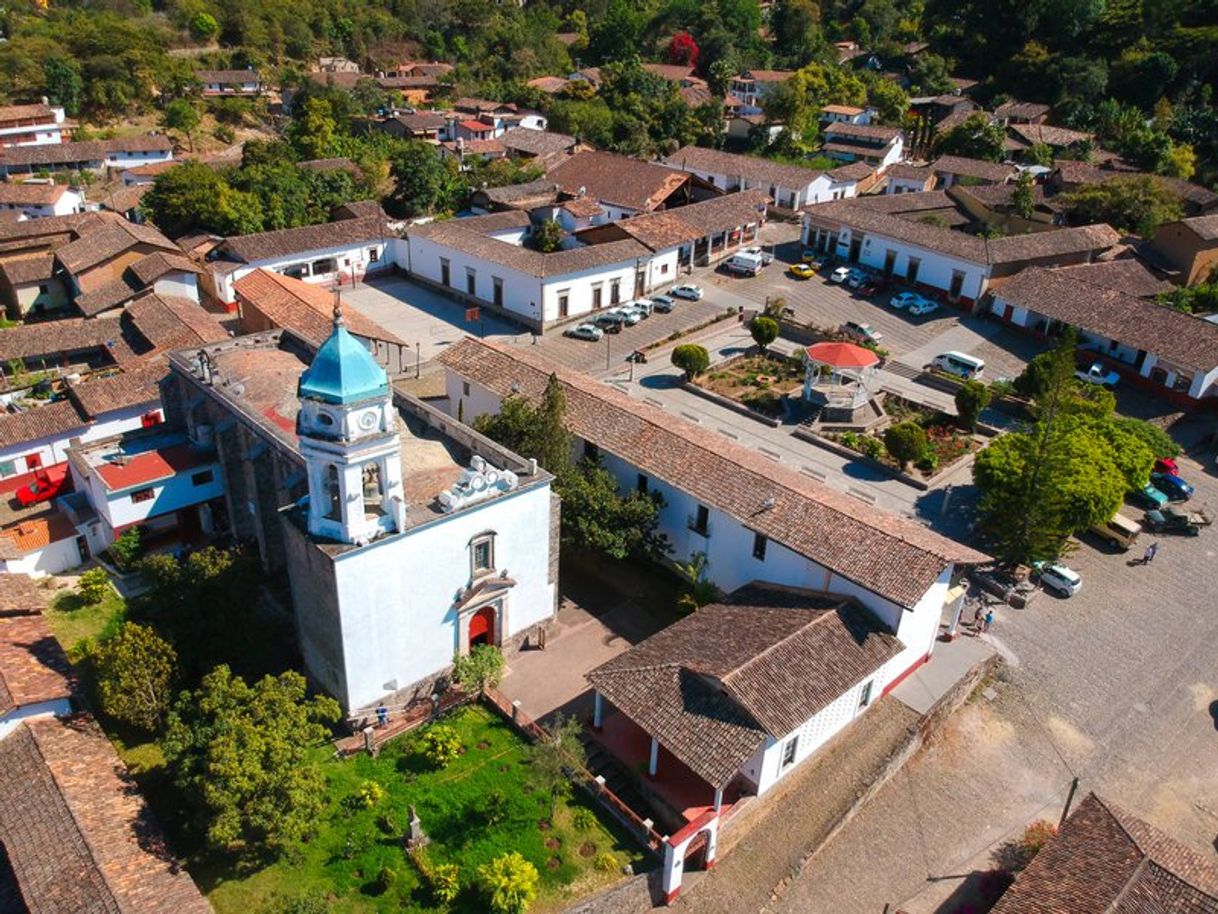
[(978, 893)]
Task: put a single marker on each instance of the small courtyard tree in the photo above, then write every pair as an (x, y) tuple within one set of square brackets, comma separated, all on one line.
[(135, 673), (906, 442), (481, 668), (93, 586), (691, 359), (971, 399), (547, 237), (552, 757), (510, 883), (764, 331)]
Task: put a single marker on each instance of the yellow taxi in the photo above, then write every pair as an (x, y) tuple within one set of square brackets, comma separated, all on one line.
[(802, 271)]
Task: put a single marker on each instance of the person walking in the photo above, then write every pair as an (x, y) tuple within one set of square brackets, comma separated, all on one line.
[(988, 621), (1149, 555)]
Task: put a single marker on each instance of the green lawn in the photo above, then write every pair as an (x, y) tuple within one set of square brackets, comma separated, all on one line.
[(352, 846), (72, 620)]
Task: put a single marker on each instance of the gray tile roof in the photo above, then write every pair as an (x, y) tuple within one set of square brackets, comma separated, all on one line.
[(754, 168), (287, 242), (617, 179), (713, 685), (894, 557), (995, 172)]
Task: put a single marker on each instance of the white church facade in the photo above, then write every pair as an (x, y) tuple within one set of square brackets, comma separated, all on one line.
[(406, 538)]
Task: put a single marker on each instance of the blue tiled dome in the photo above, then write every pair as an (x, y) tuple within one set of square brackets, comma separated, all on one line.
[(343, 371)]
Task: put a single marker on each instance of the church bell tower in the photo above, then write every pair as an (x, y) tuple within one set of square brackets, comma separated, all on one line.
[(350, 442)]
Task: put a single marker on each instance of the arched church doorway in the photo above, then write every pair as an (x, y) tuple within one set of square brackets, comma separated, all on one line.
[(482, 627)]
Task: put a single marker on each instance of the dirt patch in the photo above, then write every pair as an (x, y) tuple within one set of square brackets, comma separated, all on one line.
[(756, 381), (553, 863), (483, 744), (587, 849), (543, 825), (553, 844)]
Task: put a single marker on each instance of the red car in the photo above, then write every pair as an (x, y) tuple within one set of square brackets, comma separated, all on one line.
[(1168, 466), (48, 482)]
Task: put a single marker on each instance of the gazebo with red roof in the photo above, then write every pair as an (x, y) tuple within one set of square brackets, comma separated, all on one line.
[(839, 375)]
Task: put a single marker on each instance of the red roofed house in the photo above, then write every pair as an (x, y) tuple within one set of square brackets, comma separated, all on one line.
[(31, 125)]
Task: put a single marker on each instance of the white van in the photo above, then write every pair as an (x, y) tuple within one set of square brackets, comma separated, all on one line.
[(960, 364), (745, 264), (1120, 531)]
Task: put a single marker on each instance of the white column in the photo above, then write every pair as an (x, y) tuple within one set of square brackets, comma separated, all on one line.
[(718, 798), (598, 710), (654, 763)]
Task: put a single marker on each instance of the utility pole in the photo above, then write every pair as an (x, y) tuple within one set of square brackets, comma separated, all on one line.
[(608, 347), (1069, 801)]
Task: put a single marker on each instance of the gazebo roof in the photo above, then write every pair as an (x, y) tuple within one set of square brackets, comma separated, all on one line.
[(842, 355)]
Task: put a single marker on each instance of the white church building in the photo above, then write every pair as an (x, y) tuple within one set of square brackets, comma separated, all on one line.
[(406, 537)]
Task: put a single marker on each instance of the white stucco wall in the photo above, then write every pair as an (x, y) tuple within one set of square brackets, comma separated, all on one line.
[(60, 707), (183, 285), (398, 622), (54, 558), (118, 509), (348, 257), (54, 449)]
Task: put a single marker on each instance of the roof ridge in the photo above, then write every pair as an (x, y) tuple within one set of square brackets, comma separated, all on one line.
[(785, 478), (1119, 814)]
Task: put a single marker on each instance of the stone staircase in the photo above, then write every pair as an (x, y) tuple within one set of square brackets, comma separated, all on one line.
[(619, 781), (901, 370)]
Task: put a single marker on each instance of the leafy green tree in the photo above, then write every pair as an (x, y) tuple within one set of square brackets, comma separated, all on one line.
[(64, 83), (890, 101), (481, 668), (314, 129), (764, 331), (238, 755), (184, 198), (796, 25), (552, 441), (441, 744), (510, 883), (597, 518), (548, 236), (1136, 204), (420, 181), (1158, 441), (976, 138), (554, 756), (691, 359), (135, 674), (1039, 154), (444, 882), (182, 115), (1044, 482), (1022, 199), (618, 34), (94, 586), (930, 74), (1180, 162), (906, 442), (971, 399), (204, 27), (1130, 451)]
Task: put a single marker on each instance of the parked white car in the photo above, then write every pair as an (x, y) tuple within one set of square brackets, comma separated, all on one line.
[(662, 303), (903, 300), (1098, 374), (688, 291), (766, 257), (923, 306), (585, 332), (630, 315), (841, 274), (1063, 581)]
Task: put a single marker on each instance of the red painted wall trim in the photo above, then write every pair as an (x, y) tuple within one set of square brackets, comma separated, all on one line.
[(901, 678)]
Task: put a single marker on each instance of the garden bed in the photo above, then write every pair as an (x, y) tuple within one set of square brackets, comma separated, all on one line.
[(757, 382), (948, 444), (355, 844)]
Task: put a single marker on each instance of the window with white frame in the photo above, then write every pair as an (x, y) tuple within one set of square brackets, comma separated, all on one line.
[(482, 554), (865, 693), (788, 752)]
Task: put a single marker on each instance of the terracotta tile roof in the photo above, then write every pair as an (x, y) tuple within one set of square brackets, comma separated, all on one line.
[(77, 833), (24, 112), (85, 151), (1050, 136), (171, 322), (1018, 109), (861, 131), (974, 168), (486, 147), (551, 85), (481, 105), (33, 532), (848, 110), (1068, 295), (1106, 860), (33, 667), (21, 596), (617, 179), (55, 420), (754, 168), (532, 193), (31, 194), (125, 199), (227, 77), (302, 307), (713, 685), (1204, 227), (38, 268), (286, 242), (476, 126), (358, 209), (471, 235), (540, 143), (50, 338), (108, 296), (150, 466), (101, 242), (895, 557), (121, 390), (152, 267), (695, 96), (582, 207), (881, 215), (669, 71), (855, 171), (422, 121), (766, 76), (910, 172)]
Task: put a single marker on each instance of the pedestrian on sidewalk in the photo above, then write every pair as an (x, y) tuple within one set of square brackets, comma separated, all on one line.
[(988, 621), (977, 617), (1149, 555)]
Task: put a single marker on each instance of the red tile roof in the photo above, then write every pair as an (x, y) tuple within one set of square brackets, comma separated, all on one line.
[(895, 557), (34, 532), (302, 307), (150, 466)]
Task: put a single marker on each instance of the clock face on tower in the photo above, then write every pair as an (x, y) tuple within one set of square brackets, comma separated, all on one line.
[(368, 421)]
